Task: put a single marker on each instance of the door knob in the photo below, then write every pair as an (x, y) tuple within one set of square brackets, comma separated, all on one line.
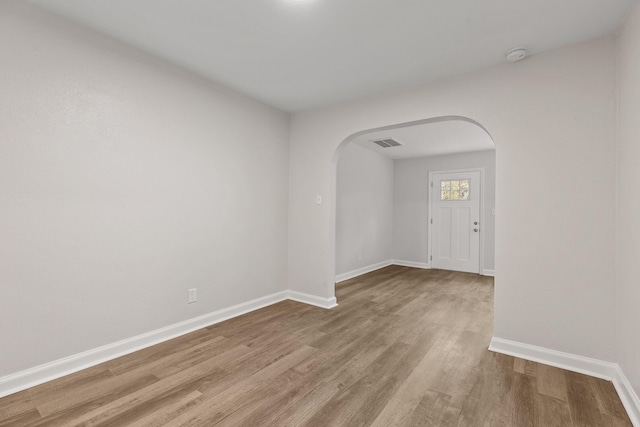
[(475, 222), (475, 229)]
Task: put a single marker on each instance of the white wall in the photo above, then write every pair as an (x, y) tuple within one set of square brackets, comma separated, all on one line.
[(411, 203), (552, 117), (364, 209), (628, 202), (124, 181)]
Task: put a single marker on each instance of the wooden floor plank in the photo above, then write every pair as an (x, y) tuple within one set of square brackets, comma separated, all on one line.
[(434, 412), (552, 412), (144, 402), (68, 408), (522, 409), (21, 419), (162, 416), (220, 405), (551, 382), (405, 347), (582, 401), (607, 398), (347, 402)]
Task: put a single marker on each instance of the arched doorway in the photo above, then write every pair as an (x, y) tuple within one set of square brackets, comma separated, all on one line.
[(439, 136)]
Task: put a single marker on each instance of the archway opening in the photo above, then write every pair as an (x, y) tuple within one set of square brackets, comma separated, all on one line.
[(391, 224)]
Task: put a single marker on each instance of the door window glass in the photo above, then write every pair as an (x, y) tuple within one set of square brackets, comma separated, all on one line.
[(454, 189)]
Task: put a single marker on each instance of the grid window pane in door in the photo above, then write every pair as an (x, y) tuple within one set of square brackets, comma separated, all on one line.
[(456, 189)]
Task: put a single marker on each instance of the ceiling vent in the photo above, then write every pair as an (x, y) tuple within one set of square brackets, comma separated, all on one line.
[(386, 143)]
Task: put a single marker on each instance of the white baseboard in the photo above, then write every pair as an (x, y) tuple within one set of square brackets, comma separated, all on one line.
[(627, 395), (368, 269), (572, 362), (31, 377), (360, 271), (487, 272), (414, 264), (312, 299)]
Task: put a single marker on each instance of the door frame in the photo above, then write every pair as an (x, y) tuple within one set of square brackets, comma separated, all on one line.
[(430, 217)]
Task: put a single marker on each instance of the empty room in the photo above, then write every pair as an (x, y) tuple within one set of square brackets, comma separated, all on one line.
[(319, 213)]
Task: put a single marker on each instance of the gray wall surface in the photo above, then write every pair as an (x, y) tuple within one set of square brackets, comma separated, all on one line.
[(410, 202), (125, 181), (364, 204)]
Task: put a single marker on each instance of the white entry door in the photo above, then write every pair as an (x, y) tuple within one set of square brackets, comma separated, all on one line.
[(455, 221)]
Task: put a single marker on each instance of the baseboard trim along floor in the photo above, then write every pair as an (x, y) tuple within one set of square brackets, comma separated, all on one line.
[(413, 264), (312, 299), (571, 362), (22, 380), (377, 266), (363, 270)]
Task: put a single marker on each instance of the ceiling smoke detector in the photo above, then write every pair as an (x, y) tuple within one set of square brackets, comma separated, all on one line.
[(516, 54)]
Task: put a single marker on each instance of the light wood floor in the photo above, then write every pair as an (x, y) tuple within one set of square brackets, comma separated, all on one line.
[(405, 347)]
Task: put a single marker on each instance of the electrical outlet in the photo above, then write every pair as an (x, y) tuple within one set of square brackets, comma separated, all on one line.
[(193, 295)]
